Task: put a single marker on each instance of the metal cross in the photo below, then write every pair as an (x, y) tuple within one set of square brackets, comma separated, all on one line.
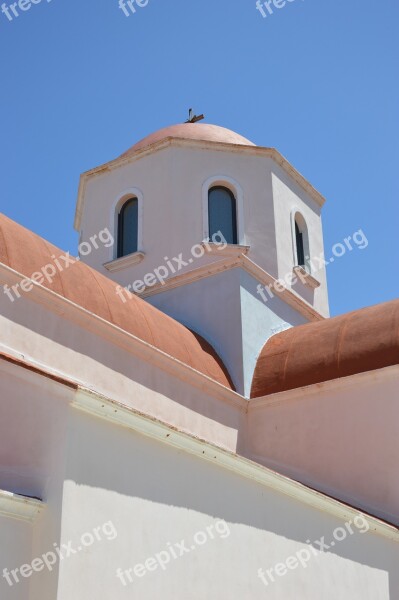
[(193, 118)]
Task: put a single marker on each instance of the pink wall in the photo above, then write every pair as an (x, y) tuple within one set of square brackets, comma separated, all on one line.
[(339, 437)]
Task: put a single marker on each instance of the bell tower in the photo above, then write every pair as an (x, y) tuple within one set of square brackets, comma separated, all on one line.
[(214, 231)]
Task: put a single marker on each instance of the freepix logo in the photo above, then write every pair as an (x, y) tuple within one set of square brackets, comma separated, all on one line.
[(173, 266), (315, 263), (59, 263), (162, 559), (129, 6), (12, 11), (267, 8), (49, 560), (316, 548)]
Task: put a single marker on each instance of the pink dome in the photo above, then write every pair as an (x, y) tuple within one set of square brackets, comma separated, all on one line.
[(192, 131)]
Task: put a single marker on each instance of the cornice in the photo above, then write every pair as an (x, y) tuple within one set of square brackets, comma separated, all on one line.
[(306, 277), (22, 508), (191, 276), (234, 260), (260, 151), (117, 264), (115, 412)]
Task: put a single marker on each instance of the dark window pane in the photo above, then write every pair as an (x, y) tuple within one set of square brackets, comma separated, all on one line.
[(128, 227), (300, 252), (222, 214)]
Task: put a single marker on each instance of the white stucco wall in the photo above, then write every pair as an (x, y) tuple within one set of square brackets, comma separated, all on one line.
[(91, 473), (261, 320), (171, 182), (173, 204), (15, 550), (127, 498), (156, 497), (32, 453), (339, 437), (227, 310), (212, 307)]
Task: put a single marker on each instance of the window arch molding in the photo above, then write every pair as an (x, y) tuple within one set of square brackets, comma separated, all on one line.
[(235, 188), (117, 205), (298, 220)]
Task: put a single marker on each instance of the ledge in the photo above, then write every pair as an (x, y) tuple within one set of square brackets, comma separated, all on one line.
[(124, 261), (306, 277), (230, 250), (100, 406), (232, 262), (19, 507)]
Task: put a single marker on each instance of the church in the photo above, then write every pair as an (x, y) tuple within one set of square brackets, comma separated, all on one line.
[(157, 402)]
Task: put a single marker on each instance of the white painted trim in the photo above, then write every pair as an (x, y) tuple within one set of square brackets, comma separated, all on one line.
[(22, 508), (287, 295), (236, 189), (124, 262), (113, 217), (192, 276), (261, 151), (117, 413), (306, 277), (229, 250), (226, 263)]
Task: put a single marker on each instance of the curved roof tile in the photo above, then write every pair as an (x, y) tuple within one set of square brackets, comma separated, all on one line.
[(356, 342), (27, 253)]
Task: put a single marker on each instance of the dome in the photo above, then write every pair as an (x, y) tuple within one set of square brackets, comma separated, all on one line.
[(356, 342), (27, 253), (192, 131)]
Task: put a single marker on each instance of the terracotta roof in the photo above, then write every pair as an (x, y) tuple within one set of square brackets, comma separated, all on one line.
[(191, 131), (27, 253), (356, 342)]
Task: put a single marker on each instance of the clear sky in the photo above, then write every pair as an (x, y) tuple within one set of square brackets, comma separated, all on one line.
[(317, 79)]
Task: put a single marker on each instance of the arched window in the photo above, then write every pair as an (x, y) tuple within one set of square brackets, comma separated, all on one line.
[(300, 250), (222, 213), (128, 222), (301, 242)]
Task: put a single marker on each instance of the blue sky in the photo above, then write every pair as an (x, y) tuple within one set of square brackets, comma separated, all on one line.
[(318, 80)]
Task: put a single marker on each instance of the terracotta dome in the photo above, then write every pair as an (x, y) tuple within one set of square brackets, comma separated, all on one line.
[(27, 253), (359, 341), (192, 131)]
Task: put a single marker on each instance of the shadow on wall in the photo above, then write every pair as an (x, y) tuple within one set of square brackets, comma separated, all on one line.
[(118, 467), (260, 320)]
